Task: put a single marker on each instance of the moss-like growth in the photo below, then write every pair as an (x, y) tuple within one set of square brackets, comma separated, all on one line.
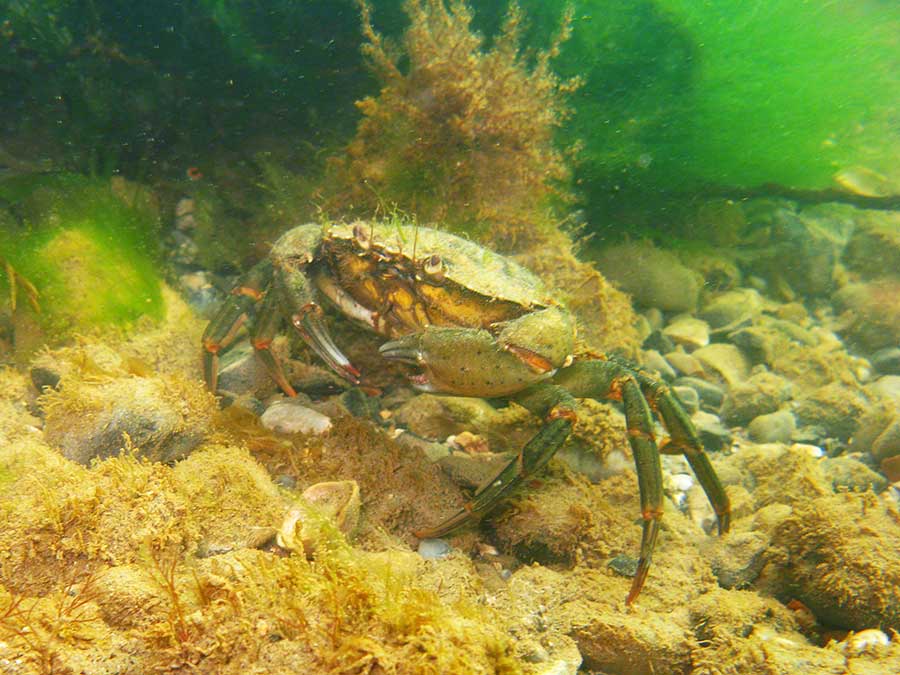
[(86, 245), (460, 133), (843, 563)]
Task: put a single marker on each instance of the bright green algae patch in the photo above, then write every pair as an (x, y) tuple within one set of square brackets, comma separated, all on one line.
[(680, 93), (87, 246)]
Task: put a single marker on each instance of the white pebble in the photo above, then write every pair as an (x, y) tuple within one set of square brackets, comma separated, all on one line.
[(813, 450), (434, 549), (287, 417), (682, 482), (865, 641)]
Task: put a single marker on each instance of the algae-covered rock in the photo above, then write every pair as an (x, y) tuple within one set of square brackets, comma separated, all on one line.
[(835, 407), (843, 561), (871, 312), (874, 247), (164, 417), (652, 276), (231, 496), (86, 245), (63, 520), (761, 394)]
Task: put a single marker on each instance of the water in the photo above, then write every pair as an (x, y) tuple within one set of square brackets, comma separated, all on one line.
[(713, 193)]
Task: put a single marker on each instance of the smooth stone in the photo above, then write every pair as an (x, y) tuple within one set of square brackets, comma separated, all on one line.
[(434, 549), (241, 372), (685, 364), (654, 318), (887, 361), (889, 387), (711, 395), (653, 360), (776, 427), (290, 417), (688, 332), (887, 444), (732, 308), (689, 398), (868, 641), (713, 434), (726, 360)]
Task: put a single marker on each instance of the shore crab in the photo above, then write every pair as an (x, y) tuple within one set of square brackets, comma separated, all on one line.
[(472, 323)]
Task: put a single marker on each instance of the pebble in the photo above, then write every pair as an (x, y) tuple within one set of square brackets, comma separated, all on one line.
[(865, 641), (687, 331), (711, 395), (289, 417), (434, 549), (661, 343), (199, 292), (732, 308), (849, 474), (713, 434), (686, 364), (653, 360), (726, 360), (689, 398), (652, 276), (184, 214), (654, 318), (889, 387), (811, 450), (776, 427), (887, 361), (761, 394), (682, 482)]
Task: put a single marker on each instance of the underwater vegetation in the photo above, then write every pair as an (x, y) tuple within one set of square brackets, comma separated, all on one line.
[(79, 252), (680, 96), (462, 130), (112, 84)]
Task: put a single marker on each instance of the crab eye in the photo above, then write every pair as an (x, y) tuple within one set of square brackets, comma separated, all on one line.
[(361, 236), (433, 266)]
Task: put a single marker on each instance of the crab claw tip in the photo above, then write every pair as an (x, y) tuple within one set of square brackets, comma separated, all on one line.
[(404, 350)]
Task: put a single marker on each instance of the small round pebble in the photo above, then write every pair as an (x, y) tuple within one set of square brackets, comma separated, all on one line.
[(287, 417), (434, 549)]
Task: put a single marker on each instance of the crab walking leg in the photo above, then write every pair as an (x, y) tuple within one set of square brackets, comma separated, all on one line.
[(268, 320), (609, 379), (683, 438), (224, 326), (556, 406)]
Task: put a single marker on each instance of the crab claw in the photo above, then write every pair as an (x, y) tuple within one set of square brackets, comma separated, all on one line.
[(408, 349), (311, 327)]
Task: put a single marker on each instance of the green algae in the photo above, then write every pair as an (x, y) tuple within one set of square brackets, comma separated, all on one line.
[(87, 246), (679, 94)]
